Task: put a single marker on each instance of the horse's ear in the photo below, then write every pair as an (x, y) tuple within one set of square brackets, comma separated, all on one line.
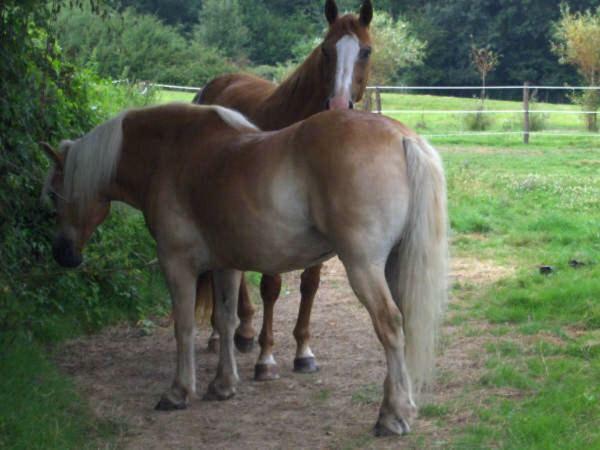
[(331, 11), (54, 156), (366, 13)]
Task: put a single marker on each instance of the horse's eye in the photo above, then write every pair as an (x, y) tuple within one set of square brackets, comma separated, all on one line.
[(325, 52), (365, 53)]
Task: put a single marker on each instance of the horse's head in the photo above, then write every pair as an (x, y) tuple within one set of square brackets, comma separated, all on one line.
[(76, 221), (346, 52)]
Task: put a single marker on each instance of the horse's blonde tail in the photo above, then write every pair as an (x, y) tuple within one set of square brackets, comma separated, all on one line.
[(204, 298), (422, 260)]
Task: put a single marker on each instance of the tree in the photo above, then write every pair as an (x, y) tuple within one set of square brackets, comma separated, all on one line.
[(138, 46), (518, 30), (577, 42), (395, 48), (485, 61), (221, 25)]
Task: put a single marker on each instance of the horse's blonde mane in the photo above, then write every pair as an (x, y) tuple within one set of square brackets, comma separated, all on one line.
[(91, 161), (234, 118)]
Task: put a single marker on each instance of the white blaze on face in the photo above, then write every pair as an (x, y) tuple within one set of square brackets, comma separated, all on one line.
[(347, 53)]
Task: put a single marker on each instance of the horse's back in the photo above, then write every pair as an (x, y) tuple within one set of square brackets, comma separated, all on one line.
[(242, 92)]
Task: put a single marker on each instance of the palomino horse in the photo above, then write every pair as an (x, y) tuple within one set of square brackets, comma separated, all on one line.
[(218, 194), (334, 76)]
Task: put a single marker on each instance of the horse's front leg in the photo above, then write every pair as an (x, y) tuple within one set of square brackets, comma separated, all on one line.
[(305, 360), (266, 366), (226, 290), (181, 280)]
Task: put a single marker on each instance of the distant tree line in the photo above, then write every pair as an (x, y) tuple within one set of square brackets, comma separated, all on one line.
[(518, 30)]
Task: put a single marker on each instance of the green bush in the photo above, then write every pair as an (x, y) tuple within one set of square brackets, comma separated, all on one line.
[(45, 98), (479, 120), (137, 47)]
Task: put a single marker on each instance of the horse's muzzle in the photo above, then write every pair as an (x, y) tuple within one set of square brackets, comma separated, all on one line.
[(335, 103), (65, 254)]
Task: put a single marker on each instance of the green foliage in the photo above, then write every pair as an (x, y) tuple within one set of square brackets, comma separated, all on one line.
[(479, 120), (577, 42), (138, 47), (395, 49), (221, 26), (45, 98), (520, 31)]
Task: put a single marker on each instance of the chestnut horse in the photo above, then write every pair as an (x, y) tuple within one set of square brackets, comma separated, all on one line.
[(220, 195), (334, 76)]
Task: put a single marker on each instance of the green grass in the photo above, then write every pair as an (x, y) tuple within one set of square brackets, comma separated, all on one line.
[(431, 125), (40, 408), (526, 207)]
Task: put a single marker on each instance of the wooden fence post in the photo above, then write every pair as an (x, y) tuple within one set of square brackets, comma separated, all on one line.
[(368, 100), (378, 100), (526, 125)]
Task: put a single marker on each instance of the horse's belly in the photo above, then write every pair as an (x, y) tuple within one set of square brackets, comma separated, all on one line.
[(277, 249)]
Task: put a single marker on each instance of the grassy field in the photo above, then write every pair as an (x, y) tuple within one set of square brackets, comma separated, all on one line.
[(433, 125), (525, 209)]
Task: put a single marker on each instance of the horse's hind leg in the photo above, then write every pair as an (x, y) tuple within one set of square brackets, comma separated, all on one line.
[(182, 286), (226, 291), (244, 335), (397, 409), (266, 366), (305, 360)]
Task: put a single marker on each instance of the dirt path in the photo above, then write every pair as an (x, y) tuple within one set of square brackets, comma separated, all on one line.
[(123, 371)]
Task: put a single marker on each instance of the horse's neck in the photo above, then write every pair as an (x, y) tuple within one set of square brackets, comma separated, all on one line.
[(301, 95)]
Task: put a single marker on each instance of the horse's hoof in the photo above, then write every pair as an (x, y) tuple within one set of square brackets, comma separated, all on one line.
[(306, 365), (243, 344), (213, 346), (214, 393), (266, 372), (166, 404), (391, 427)]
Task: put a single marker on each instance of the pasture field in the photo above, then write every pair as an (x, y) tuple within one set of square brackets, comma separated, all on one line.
[(433, 125), (540, 334)]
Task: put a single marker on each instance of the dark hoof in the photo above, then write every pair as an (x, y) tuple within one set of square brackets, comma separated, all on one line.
[(305, 365), (398, 427), (166, 404), (214, 394), (213, 346), (266, 372), (243, 344)]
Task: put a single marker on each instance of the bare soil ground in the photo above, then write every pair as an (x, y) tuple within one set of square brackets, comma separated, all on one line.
[(123, 371)]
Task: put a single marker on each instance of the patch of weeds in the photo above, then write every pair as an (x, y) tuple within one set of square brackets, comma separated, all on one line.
[(500, 331), (479, 120), (432, 410), (368, 395), (322, 395), (504, 348), (506, 376)]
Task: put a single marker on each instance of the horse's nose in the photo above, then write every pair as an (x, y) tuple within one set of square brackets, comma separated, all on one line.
[(351, 104), (65, 254)]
